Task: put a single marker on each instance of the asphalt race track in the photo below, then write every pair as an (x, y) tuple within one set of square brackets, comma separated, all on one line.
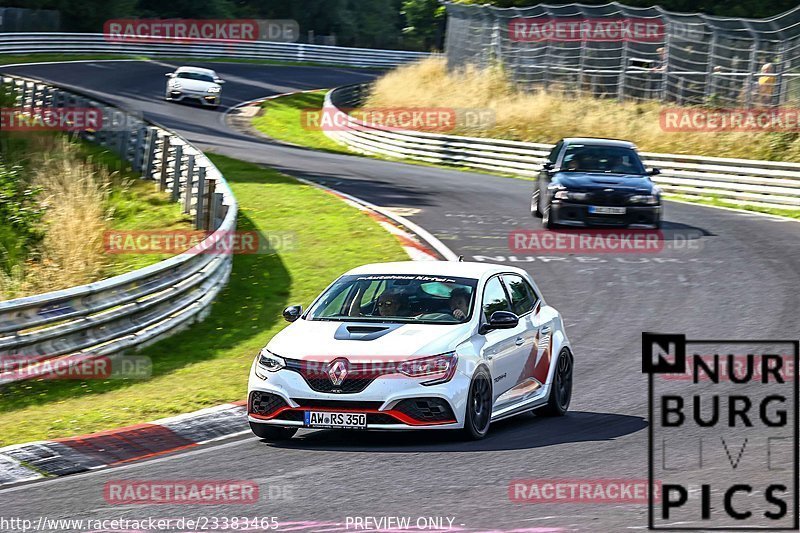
[(739, 279)]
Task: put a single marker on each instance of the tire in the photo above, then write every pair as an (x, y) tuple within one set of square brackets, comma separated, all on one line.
[(546, 221), (272, 433), (561, 391), (478, 415), (535, 211)]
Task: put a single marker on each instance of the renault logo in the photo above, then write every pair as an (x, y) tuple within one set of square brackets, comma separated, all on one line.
[(337, 371)]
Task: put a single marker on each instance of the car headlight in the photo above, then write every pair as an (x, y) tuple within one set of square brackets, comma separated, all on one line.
[(646, 199), (268, 362), (441, 367), (213, 89), (572, 195), (175, 85)]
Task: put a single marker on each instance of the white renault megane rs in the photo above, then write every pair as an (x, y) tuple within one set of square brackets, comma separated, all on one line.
[(414, 345)]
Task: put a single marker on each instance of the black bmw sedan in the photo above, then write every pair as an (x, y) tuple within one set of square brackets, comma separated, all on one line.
[(596, 182)]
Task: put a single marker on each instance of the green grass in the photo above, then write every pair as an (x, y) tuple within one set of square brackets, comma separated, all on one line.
[(208, 364), (282, 119), (133, 203)]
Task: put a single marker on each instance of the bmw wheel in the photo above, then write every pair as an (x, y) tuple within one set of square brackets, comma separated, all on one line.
[(546, 221), (272, 433), (535, 211), (479, 406), (561, 390)]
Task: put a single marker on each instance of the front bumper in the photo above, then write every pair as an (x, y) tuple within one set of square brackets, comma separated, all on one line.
[(207, 99), (391, 402), (575, 214)]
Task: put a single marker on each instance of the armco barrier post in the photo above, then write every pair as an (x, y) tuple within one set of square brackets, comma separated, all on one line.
[(189, 185), (149, 152), (176, 173), (209, 199), (165, 148), (200, 198), (218, 210), (138, 149)]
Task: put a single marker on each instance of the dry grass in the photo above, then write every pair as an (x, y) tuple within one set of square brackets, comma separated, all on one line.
[(74, 193), (546, 117)]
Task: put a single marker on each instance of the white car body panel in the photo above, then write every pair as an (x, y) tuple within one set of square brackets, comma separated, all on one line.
[(179, 89), (512, 356)]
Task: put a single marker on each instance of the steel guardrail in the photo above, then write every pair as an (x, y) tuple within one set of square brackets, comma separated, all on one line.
[(769, 184), (127, 311), (98, 43)]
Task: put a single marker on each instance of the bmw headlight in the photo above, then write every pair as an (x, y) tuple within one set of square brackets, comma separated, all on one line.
[(213, 89), (572, 195), (645, 199), (268, 362)]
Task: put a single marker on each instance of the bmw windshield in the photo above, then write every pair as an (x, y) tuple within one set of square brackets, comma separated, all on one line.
[(397, 298), (602, 159)]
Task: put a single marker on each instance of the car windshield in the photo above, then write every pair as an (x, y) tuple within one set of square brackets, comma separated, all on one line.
[(605, 159), (397, 298), (196, 76)]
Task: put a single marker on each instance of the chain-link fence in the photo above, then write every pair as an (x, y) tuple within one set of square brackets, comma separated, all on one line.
[(626, 52)]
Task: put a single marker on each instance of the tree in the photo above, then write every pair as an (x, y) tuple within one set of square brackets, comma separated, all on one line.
[(424, 22)]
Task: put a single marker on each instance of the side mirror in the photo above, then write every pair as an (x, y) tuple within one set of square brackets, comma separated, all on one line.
[(548, 165), (292, 313), (219, 81), (170, 74), (654, 172), (500, 320)]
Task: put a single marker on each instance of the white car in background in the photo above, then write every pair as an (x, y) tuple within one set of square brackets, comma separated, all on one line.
[(414, 345), (194, 83)]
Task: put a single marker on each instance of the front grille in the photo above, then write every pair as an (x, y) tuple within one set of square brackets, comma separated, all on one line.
[(612, 198), (426, 409), (315, 375), (348, 386), (265, 403)]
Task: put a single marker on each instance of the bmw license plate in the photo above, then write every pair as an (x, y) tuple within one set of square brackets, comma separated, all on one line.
[(603, 210), (325, 419)]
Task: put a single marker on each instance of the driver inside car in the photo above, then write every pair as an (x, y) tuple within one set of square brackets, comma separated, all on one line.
[(389, 304), (459, 303)]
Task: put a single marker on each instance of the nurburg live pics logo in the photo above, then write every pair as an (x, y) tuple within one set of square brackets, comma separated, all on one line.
[(723, 443)]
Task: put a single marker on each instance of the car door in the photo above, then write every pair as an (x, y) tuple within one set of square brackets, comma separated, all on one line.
[(501, 347), (531, 344)]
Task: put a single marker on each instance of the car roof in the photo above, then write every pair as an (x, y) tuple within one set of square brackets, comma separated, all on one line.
[(598, 141), (197, 70), (435, 268)]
